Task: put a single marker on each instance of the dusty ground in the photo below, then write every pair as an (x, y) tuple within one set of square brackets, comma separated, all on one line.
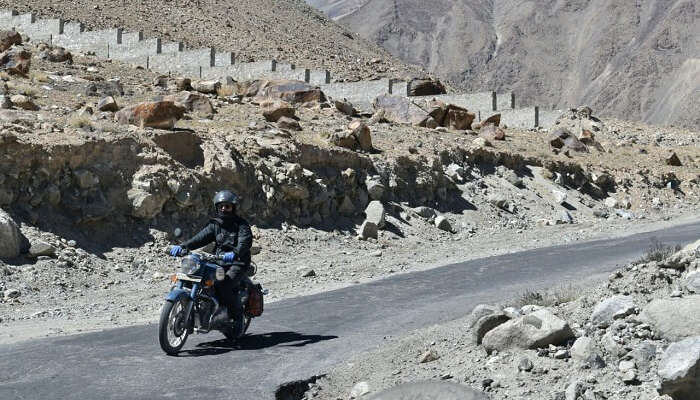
[(113, 272)]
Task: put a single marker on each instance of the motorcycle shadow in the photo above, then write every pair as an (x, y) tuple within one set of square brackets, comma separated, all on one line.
[(254, 342)]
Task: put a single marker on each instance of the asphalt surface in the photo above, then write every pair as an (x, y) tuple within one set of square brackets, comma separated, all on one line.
[(301, 337)]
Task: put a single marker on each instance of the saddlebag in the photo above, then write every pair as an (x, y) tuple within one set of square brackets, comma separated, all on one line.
[(254, 307)]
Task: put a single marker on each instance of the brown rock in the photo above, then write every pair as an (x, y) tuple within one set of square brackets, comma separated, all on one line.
[(192, 101), (436, 109), (562, 138), (151, 114), (207, 87), (400, 110), (491, 132), (425, 87), (288, 124), (345, 107), (274, 110), (57, 54), (23, 102), (459, 118), (495, 119), (8, 39), (344, 139), (183, 84), (673, 160), (362, 134), (16, 61), (108, 104), (291, 91)]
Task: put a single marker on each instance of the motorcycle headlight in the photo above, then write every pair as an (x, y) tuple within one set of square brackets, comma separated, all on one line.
[(189, 265), (220, 274)]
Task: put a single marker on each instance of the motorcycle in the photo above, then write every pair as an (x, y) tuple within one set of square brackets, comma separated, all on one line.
[(191, 305)]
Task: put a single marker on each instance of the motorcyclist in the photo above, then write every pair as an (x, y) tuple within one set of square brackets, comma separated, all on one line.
[(233, 239)]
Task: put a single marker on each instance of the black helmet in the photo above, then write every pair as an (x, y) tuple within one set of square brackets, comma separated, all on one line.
[(225, 197)]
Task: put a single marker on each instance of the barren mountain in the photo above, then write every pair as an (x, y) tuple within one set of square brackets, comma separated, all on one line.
[(287, 30), (632, 60)]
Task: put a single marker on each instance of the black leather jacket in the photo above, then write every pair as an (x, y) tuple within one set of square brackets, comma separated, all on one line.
[(231, 234)]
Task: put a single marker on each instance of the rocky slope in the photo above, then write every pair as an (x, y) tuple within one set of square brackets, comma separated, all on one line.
[(636, 336), (631, 60), (97, 199), (286, 30)]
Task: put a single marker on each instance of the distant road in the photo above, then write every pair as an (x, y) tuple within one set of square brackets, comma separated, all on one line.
[(299, 337)]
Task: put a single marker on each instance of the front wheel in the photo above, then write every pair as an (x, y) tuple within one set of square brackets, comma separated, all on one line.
[(172, 329)]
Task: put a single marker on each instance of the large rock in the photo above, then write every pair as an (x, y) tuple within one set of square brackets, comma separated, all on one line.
[(538, 329), (286, 90), (151, 114), (486, 323), (16, 61), (563, 139), (357, 136), (375, 213), (273, 110), (611, 308), (425, 87), (112, 88), (375, 187), (430, 391), (108, 104), (692, 282), (673, 319), (8, 39), (448, 115), (401, 110), (207, 87), (492, 133), (192, 101), (56, 54), (481, 310), (368, 230), (11, 238), (41, 248), (679, 370)]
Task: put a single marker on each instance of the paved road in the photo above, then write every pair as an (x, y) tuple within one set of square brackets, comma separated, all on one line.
[(300, 337)]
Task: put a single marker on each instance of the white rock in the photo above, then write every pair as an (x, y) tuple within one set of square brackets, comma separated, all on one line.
[(360, 389), (611, 202), (559, 196), (10, 237), (607, 310), (375, 213), (678, 369)]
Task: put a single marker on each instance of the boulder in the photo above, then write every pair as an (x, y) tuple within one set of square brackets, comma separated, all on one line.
[(679, 370), (692, 282), (206, 87), (108, 104), (563, 139), (425, 87), (8, 39), (359, 390), (400, 110), (193, 102), (273, 110), (611, 202), (16, 61), (368, 230), (151, 114), (23, 102), (290, 91), (430, 391), (458, 118), (289, 124), (112, 88), (486, 323), (11, 238), (375, 214), (183, 84), (375, 187), (611, 308), (41, 248), (672, 159), (443, 224), (362, 134), (482, 310), (56, 54), (481, 142), (538, 329), (673, 319), (495, 119), (345, 107), (492, 132)]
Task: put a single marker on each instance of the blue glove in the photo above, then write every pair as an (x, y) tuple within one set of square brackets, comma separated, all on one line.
[(229, 257), (175, 251)]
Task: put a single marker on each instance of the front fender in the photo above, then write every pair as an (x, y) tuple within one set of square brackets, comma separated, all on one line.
[(176, 293)]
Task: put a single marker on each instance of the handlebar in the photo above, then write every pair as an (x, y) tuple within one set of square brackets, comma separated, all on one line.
[(204, 256)]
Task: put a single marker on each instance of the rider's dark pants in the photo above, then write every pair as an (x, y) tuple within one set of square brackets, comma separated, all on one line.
[(227, 292)]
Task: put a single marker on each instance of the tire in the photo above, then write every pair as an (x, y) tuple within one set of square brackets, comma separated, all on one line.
[(231, 335), (172, 331)]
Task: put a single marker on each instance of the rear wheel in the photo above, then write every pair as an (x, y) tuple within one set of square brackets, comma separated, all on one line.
[(230, 331), (172, 330)]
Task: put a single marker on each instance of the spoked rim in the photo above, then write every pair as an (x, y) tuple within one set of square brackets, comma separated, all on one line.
[(177, 326)]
